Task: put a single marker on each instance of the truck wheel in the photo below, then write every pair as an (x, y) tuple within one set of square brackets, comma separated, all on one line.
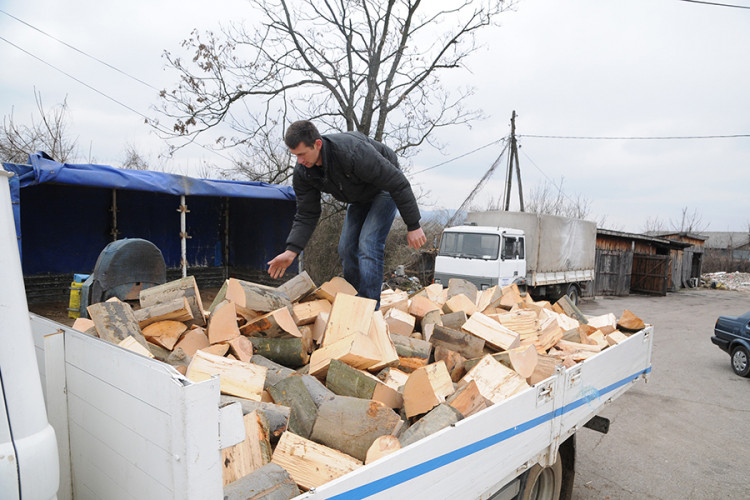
[(573, 293), (543, 483), (741, 361)]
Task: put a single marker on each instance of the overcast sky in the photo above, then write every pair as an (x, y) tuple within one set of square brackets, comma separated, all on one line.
[(582, 68)]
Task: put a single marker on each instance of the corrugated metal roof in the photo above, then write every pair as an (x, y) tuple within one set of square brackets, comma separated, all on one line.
[(719, 239)]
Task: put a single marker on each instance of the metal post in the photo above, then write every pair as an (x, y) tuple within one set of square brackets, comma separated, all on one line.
[(114, 232), (183, 235)]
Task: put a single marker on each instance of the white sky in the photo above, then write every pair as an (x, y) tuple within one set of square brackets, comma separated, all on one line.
[(568, 67)]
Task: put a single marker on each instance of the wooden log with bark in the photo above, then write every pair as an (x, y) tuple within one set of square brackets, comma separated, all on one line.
[(293, 393), (454, 362), (276, 415), (165, 333), (344, 380), (400, 322), (287, 352), (440, 417), (357, 350), (468, 400), (255, 297), (330, 289), (469, 346), (177, 309), (298, 287), (270, 482), (305, 313), (192, 340), (250, 454), (412, 353), (426, 388), (460, 303), (274, 324), (381, 447), (236, 378), (493, 333), (459, 286), (184, 287), (496, 381), (114, 321)]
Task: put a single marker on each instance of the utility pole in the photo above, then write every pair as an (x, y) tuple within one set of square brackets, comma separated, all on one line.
[(512, 164)]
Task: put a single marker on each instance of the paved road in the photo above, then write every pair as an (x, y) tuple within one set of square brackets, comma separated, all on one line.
[(685, 434)]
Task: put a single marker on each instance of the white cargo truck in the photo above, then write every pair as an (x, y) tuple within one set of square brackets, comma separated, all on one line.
[(550, 255), (132, 427)]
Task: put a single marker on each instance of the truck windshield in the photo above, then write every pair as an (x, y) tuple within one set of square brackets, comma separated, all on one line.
[(470, 245)]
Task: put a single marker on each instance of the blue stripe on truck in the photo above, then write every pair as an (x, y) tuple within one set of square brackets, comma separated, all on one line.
[(384, 483)]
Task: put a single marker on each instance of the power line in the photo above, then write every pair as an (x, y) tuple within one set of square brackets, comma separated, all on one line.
[(717, 4), (634, 138), (461, 156), (559, 188), (80, 51)]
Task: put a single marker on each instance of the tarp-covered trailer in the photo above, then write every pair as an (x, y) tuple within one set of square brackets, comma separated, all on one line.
[(65, 214)]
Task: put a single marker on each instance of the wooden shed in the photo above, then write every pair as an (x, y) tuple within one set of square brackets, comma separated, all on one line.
[(631, 262), (687, 262)]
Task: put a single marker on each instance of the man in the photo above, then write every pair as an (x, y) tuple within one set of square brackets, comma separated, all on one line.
[(363, 173)]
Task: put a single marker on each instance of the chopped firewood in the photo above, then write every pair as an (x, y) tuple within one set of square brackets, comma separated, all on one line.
[(509, 296), (545, 368), (256, 297), (236, 378), (421, 305), (523, 360), (549, 334), (223, 324), (460, 303), (382, 340), (412, 353), (184, 287), (192, 340), (293, 393), (431, 318), (287, 352), (435, 293), (458, 286), (440, 417), (603, 320), (299, 287), (493, 333), (400, 322), (311, 464), (571, 309), (217, 349), (269, 482), (276, 415), (115, 321), (616, 337), (177, 309), (83, 325), (336, 285), (463, 343), (394, 299), (349, 314), (250, 454), (520, 321), (164, 333), (381, 447), (357, 350), (344, 380), (598, 338), (496, 381), (576, 347), (631, 322), (304, 313), (393, 377), (426, 388), (275, 372), (131, 344), (454, 362), (274, 324), (468, 400), (350, 424), (454, 320), (319, 327)]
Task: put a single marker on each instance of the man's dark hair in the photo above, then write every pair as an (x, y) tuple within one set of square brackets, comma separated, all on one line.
[(301, 131)]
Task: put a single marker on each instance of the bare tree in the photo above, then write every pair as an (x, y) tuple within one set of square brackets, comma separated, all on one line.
[(654, 225), (368, 65), (46, 133), (134, 160), (689, 222)]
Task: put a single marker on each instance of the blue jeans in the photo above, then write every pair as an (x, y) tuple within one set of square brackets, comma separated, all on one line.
[(362, 243)]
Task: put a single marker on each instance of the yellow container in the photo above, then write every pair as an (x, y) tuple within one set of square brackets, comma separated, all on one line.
[(74, 305)]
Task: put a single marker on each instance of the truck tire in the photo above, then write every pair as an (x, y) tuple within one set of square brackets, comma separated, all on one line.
[(573, 293), (543, 483), (741, 361)]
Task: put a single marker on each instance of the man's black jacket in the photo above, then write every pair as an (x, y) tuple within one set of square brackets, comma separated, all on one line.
[(355, 168)]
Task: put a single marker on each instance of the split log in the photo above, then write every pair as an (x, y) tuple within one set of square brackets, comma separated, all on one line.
[(275, 324), (440, 417), (287, 352), (571, 310), (216, 349), (256, 297), (468, 400), (426, 388), (570, 347), (236, 378), (382, 340), (509, 297), (496, 381), (487, 297), (393, 378), (520, 321), (114, 321), (179, 359), (177, 309), (270, 482), (276, 415), (454, 362), (545, 368), (493, 333), (420, 305), (357, 350), (351, 424), (164, 333), (349, 314), (319, 327), (241, 348), (311, 464), (292, 392), (299, 287), (305, 313), (381, 447), (222, 326), (454, 320), (250, 454), (400, 322), (603, 320), (318, 392), (394, 299), (523, 360), (131, 344), (158, 352), (274, 372), (616, 337), (631, 322), (463, 343), (431, 318), (549, 334), (83, 325), (184, 287), (336, 285), (459, 286), (344, 380), (460, 303), (412, 353), (194, 339)]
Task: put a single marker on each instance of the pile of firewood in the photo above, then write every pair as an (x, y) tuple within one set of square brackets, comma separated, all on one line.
[(327, 383)]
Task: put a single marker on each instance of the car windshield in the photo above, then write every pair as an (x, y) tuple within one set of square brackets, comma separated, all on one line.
[(470, 245)]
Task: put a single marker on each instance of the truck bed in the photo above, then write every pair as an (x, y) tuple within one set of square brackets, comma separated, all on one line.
[(131, 427)]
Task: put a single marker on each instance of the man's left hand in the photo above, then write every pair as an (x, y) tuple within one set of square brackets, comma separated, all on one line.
[(416, 238)]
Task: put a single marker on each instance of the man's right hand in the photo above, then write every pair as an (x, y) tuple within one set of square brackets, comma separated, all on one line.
[(277, 266)]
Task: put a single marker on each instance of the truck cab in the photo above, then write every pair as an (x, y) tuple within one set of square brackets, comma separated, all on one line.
[(486, 256)]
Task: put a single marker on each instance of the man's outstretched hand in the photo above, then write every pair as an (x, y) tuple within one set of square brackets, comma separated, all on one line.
[(416, 238), (277, 266)]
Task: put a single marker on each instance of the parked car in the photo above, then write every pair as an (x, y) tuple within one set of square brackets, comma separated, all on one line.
[(732, 335)]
